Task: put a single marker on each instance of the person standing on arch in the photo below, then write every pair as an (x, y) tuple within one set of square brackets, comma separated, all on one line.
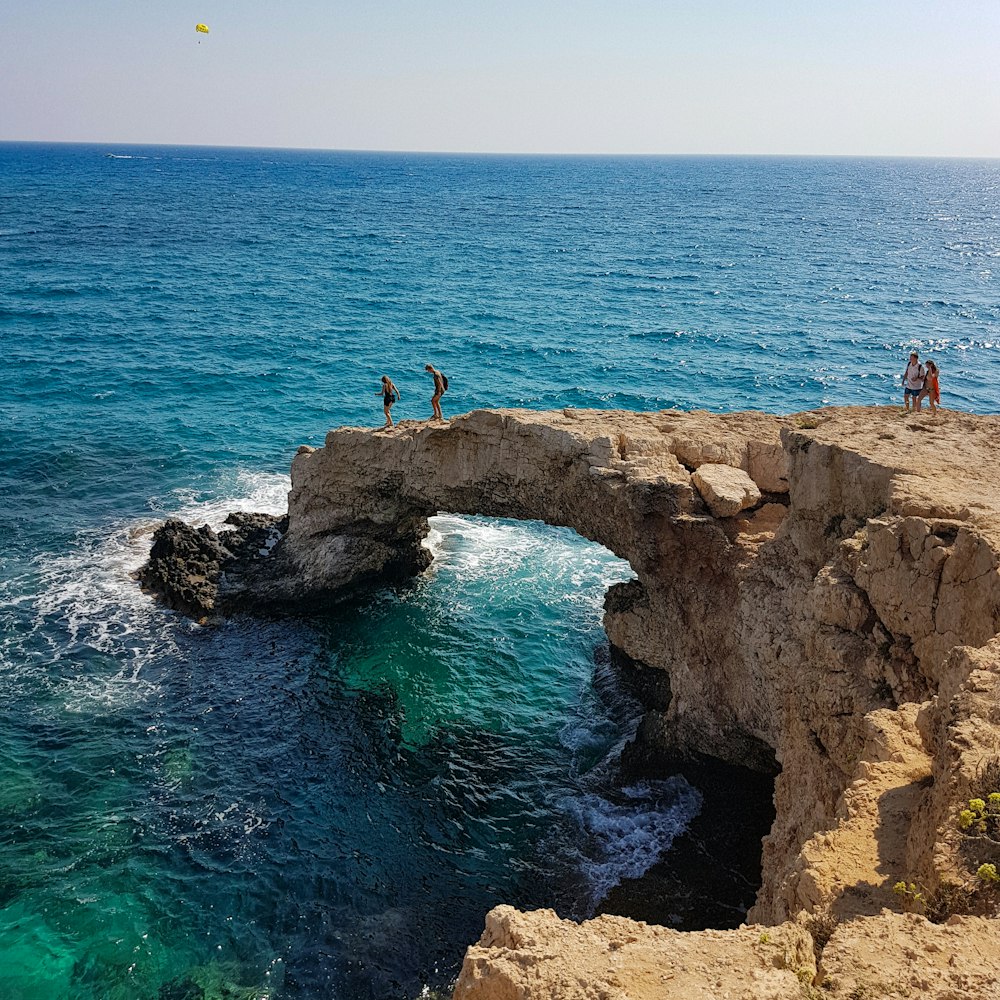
[(440, 385), (932, 388), (389, 394)]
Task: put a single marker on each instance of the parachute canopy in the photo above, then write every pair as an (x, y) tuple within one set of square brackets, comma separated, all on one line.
[(203, 28)]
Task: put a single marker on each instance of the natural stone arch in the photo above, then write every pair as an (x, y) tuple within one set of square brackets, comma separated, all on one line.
[(824, 624), (786, 632), (606, 476), (358, 507)]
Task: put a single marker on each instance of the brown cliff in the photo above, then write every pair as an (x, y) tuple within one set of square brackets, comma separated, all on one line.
[(825, 592)]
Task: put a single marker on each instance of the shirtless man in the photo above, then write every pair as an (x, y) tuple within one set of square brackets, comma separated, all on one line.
[(439, 388)]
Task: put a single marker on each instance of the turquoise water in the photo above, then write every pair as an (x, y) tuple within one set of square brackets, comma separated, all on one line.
[(327, 807)]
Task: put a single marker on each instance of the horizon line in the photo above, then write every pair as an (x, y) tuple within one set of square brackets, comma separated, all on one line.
[(494, 153)]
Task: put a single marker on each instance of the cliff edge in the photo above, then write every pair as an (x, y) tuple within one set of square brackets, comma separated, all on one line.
[(823, 592)]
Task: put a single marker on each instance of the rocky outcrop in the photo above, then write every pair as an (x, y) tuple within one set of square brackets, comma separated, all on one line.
[(200, 572), (834, 617), (536, 956), (726, 490)]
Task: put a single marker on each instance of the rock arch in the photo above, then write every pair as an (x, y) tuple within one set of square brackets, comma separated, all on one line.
[(811, 598), (358, 506)]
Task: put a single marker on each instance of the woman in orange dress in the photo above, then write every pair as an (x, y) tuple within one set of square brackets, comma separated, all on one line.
[(932, 390)]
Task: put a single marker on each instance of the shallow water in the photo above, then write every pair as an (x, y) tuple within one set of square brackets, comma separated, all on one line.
[(328, 807)]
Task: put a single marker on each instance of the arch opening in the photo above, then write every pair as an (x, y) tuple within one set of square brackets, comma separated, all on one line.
[(497, 668)]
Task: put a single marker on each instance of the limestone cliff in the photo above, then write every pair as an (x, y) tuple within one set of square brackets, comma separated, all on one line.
[(536, 956), (823, 591)]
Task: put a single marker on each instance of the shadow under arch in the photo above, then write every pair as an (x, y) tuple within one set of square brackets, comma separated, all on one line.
[(500, 646)]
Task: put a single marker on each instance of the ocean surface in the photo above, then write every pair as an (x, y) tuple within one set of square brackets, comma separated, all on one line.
[(326, 807)]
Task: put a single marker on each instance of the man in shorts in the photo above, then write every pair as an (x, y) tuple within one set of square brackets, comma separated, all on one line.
[(913, 382), (439, 387)]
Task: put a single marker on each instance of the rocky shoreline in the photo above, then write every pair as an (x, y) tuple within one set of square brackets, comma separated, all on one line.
[(821, 593)]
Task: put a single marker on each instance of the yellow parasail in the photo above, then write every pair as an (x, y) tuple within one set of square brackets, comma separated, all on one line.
[(203, 28)]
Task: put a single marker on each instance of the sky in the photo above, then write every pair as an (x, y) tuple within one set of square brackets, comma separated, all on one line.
[(882, 77)]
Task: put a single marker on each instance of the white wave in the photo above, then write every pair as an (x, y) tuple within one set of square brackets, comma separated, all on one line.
[(474, 549), (468, 543), (259, 492), (91, 589), (434, 540), (97, 576), (88, 597), (625, 838)]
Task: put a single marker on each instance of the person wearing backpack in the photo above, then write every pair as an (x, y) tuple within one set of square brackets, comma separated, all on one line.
[(913, 382), (440, 387)]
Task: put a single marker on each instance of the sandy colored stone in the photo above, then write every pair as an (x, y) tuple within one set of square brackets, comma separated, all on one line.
[(850, 636), (899, 955), (726, 490), (768, 465), (536, 956)]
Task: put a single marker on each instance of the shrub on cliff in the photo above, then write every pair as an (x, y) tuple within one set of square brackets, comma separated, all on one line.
[(979, 892)]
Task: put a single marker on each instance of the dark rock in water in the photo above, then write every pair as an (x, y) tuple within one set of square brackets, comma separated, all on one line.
[(246, 567), (183, 567), (200, 572), (650, 686)]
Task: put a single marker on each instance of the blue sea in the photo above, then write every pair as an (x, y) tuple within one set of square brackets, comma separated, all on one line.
[(327, 806)]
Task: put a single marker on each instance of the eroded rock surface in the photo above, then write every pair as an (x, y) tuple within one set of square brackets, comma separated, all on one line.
[(200, 572), (842, 624), (726, 490), (537, 956)]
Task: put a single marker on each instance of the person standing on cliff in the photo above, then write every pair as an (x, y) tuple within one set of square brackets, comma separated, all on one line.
[(913, 382), (440, 385), (932, 388), (389, 394)]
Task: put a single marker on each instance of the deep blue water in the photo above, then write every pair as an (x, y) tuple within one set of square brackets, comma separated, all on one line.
[(328, 807)]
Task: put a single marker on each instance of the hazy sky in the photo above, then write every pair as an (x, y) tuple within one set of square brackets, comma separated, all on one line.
[(657, 76)]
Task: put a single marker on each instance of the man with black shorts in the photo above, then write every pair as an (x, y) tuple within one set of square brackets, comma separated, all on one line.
[(440, 384)]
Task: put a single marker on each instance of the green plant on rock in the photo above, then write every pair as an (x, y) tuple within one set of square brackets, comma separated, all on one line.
[(982, 818), (947, 899), (914, 896), (950, 898), (979, 824), (988, 874)]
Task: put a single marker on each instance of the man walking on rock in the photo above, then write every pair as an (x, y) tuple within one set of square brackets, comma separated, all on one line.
[(440, 384), (913, 382)]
